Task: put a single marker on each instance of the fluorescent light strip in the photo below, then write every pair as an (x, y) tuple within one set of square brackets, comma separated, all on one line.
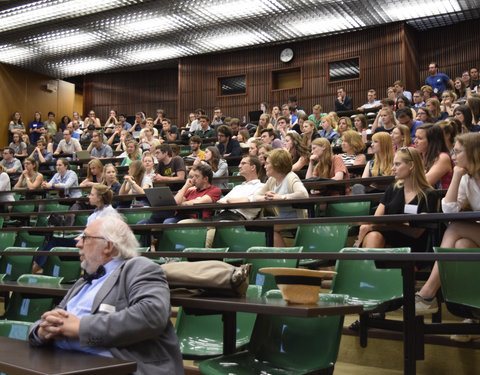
[(415, 9), (41, 11), (68, 41), (75, 67), (12, 55)]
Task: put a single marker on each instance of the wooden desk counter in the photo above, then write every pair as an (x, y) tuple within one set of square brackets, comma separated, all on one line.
[(17, 357)]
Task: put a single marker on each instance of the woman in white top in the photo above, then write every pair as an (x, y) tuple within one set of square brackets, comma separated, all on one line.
[(5, 186), (101, 198), (136, 180), (463, 193), (219, 166), (282, 184), (149, 164)]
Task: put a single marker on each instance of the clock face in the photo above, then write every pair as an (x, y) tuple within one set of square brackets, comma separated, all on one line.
[(286, 55)]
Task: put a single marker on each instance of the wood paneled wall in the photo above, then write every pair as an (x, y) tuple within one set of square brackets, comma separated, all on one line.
[(25, 91), (386, 53), (131, 92), (380, 51)]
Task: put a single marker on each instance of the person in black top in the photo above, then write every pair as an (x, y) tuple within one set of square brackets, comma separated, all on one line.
[(410, 194)]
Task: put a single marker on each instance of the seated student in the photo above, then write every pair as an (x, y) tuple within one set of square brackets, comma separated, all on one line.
[(382, 162), (42, 156), (110, 178), (410, 194), (204, 130), (299, 152), (352, 147), (169, 132), (64, 179), (195, 147), (219, 166), (114, 138), (401, 137), (430, 142), (282, 184), (328, 165), (227, 145), (344, 124), (309, 133), (12, 164), (149, 164), (94, 173), (148, 142), (253, 147), (169, 168), (5, 186), (131, 153), (388, 120), (68, 145), (197, 189), (37, 127), (19, 147), (360, 123), (136, 180), (269, 137), (328, 130), (433, 105), (30, 178), (97, 148), (463, 194)]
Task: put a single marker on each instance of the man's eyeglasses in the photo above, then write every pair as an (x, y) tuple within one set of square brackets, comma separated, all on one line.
[(85, 238)]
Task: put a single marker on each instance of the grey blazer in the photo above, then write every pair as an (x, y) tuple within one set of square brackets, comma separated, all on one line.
[(139, 327)]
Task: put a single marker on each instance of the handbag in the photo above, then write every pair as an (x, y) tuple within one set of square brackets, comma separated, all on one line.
[(208, 277)]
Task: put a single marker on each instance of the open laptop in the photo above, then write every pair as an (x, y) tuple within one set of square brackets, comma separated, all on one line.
[(160, 196), (83, 155)]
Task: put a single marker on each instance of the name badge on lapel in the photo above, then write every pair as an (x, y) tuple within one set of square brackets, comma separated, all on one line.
[(106, 308)]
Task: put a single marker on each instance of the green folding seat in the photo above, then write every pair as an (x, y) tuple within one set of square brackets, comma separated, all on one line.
[(348, 209), (30, 307), (379, 290), (25, 239), (68, 268), (14, 329), (459, 282), (12, 266), (320, 238), (7, 239), (283, 346)]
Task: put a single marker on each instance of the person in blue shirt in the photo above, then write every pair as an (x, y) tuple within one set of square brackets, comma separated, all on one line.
[(36, 128), (64, 179), (328, 131), (437, 81)]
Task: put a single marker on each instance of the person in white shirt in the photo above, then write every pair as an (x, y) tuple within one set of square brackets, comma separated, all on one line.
[(68, 145)]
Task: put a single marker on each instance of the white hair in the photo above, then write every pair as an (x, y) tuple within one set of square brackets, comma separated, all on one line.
[(116, 231)]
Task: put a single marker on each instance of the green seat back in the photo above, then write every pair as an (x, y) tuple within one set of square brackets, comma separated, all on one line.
[(29, 308), (180, 238), (24, 239), (24, 207), (55, 206), (283, 345), (143, 249), (459, 282), (364, 283), (320, 238), (202, 335), (1, 221), (267, 282), (15, 265), (7, 239), (14, 329), (68, 267), (348, 209), (135, 217), (81, 220), (237, 239)]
